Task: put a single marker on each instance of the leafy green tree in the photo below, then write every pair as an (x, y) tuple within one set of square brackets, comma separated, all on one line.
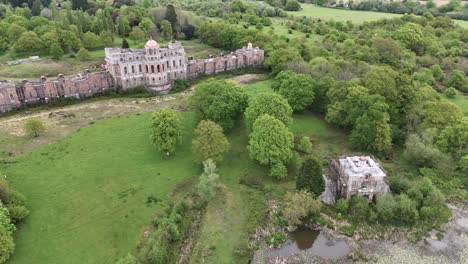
[(411, 35), (209, 142), (278, 59), (298, 91), (69, 40), (292, 5), (83, 55), (421, 152), (280, 78), (56, 51), (34, 127), (137, 34), (458, 80), (270, 148), (388, 49), (128, 259), (219, 101), (359, 208), (310, 177), (15, 30), (268, 103), (28, 42), (166, 29), (385, 208), (437, 72), (454, 139), (451, 92), (106, 38), (90, 40), (125, 44), (439, 114), (342, 206), (171, 16), (305, 145), (406, 212), (300, 205), (208, 180), (165, 129)]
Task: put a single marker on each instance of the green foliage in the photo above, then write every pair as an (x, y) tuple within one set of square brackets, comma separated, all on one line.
[(267, 103), (83, 55), (270, 148), (298, 90), (219, 101), (310, 177), (458, 80), (453, 139), (208, 181), (128, 259), (292, 5), (165, 129), (125, 44), (278, 171), (278, 59), (166, 29), (342, 206), (209, 142), (421, 152), (300, 205), (28, 42), (304, 145), (34, 127), (451, 92), (56, 51), (359, 208), (7, 245)]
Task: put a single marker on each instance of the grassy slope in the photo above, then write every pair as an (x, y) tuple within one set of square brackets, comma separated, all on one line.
[(461, 100), (87, 192), (352, 15)]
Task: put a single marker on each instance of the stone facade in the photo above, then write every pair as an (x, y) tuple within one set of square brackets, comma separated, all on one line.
[(359, 175), (155, 67), (15, 95)]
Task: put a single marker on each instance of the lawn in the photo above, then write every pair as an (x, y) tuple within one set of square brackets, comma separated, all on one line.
[(352, 15), (460, 100), (87, 193)]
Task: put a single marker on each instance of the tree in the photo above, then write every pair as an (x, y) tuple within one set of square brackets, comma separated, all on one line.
[(454, 139), (34, 127), (166, 29), (300, 205), (171, 16), (292, 5), (385, 208), (105, 38), (305, 145), (128, 259), (125, 44), (451, 92), (209, 142), (219, 101), (372, 133), (28, 42), (208, 180), (458, 80), (280, 78), (298, 91), (278, 59), (90, 40), (268, 103), (406, 212), (388, 49), (359, 208), (165, 129), (56, 51), (420, 151), (310, 177), (270, 142), (7, 245), (83, 55), (137, 34)]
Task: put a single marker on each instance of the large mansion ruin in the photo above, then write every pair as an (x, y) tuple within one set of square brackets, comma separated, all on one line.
[(359, 175), (155, 67)]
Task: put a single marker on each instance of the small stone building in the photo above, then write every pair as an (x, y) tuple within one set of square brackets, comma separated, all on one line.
[(359, 175)]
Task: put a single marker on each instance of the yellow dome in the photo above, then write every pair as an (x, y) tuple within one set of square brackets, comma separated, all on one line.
[(151, 44)]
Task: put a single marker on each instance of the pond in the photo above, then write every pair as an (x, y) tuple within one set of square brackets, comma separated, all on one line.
[(313, 241)]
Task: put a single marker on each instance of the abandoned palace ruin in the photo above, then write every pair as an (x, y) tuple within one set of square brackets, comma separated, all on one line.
[(359, 175), (155, 67)]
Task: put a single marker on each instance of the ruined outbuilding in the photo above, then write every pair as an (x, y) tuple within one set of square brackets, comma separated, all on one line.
[(359, 175)]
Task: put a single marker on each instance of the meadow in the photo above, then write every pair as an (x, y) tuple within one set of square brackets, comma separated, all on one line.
[(461, 100), (89, 193), (355, 16)]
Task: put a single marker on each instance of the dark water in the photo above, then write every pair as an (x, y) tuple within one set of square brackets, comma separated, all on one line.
[(313, 241)]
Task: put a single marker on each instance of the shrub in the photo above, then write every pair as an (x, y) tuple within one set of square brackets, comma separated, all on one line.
[(359, 208), (451, 92), (305, 145), (342, 206), (300, 205), (278, 171), (34, 127), (310, 177), (83, 55)]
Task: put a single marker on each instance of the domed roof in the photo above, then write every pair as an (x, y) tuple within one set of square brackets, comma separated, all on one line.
[(151, 43)]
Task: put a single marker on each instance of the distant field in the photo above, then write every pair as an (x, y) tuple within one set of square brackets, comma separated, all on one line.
[(352, 15)]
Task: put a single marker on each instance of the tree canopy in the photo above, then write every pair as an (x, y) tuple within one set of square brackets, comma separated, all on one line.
[(165, 129)]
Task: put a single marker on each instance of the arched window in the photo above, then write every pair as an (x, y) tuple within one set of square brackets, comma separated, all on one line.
[(147, 69), (139, 67), (125, 70), (133, 69), (163, 67), (152, 68), (159, 69)]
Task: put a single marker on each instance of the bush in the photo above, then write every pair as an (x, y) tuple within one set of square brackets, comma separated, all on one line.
[(278, 171), (300, 205), (451, 92), (34, 127), (310, 177), (305, 145), (359, 208), (342, 206), (83, 55)]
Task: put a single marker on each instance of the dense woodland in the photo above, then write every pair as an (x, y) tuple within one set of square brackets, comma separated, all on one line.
[(383, 83)]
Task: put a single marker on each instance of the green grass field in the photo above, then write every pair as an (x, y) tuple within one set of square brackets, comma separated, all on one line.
[(352, 15), (87, 192)]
